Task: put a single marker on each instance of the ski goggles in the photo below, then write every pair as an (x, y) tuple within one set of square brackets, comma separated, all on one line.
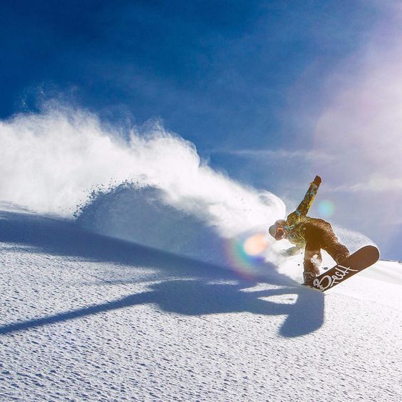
[(280, 232), (277, 231)]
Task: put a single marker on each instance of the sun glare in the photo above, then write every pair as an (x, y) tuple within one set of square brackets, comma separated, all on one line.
[(256, 244)]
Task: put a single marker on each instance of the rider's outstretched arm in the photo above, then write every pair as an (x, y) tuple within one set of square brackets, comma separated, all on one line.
[(305, 205)]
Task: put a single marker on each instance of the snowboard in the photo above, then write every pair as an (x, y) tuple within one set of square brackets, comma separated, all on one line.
[(355, 263)]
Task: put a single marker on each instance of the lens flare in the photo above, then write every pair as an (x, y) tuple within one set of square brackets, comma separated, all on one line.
[(247, 253), (326, 209), (256, 244)]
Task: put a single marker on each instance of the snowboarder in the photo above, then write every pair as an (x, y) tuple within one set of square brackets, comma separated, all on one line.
[(311, 233)]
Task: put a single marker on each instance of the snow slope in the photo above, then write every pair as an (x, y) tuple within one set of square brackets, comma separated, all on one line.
[(91, 317)]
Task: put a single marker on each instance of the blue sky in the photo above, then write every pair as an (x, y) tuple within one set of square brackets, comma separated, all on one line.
[(234, 77), (223, 74), (220, 73)]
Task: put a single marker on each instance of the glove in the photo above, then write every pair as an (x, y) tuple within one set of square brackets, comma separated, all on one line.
[(290, 252), (317, 180)]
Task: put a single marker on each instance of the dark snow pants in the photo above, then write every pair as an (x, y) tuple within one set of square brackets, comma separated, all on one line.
[(319, 235)]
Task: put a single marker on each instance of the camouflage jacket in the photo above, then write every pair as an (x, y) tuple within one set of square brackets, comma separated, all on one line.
[(298, 218)]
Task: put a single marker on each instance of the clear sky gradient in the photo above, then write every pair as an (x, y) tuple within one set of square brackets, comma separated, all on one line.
[(273, 92)]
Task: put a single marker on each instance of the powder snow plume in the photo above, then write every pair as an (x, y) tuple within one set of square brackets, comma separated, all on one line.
[(149, 187)]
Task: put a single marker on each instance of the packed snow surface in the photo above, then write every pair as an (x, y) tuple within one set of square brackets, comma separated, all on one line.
[(86, 316)]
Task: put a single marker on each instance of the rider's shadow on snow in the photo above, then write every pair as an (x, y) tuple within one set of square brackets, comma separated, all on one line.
[(195, 298), (198, 298)]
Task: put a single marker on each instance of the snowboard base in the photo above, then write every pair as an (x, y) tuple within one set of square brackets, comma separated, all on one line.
[(355, 263)]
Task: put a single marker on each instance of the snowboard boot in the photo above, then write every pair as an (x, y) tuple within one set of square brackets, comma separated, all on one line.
[(309, 278)]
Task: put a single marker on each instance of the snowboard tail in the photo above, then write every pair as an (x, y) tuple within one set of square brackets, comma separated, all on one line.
[(355, 263)]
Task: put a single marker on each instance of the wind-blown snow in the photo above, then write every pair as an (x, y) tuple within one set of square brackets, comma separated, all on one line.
[(150, 187), (51, 161)]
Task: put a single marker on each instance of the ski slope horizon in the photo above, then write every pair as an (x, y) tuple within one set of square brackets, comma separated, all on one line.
[(91, 317)]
